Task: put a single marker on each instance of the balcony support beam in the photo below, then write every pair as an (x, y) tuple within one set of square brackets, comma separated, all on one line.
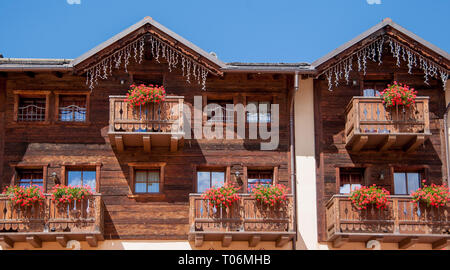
[(199, 240), (35, 241), (407, 242), (119, 143), (360, 142), (387, 143), (92, 240), (254, 240), (62, 240), (414, 143), (441, 243), (147, 143), (226, 240), (173, 144), (6, 241), (340, 240), (282, 240)]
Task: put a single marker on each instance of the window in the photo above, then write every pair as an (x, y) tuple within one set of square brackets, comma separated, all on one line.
[(72, 108), (373, 88), (31, 106), (147, 181), (208, 179), (31, 109), (256, 177), (406, 182), (262, 113), (30, 177), (82, 178), (217, 111), (350, 179)]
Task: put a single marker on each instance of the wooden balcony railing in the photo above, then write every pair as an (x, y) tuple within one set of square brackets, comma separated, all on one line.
[(49, 222), (247, 220), (156, 124), (401, 223), (369, 125)]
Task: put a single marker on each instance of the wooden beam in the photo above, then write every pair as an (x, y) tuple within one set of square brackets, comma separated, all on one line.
[(360, 142), (92, 240), (407, 242), (62, 240), (254, 240), (147, 143), (58, 74), (173, 144), (30, 74), (119, 142), (340, 240), (226, 240), (199, 240), (282, 240), (387, 143), (6, 241), (414, 143), (35, 241), (441, 243)]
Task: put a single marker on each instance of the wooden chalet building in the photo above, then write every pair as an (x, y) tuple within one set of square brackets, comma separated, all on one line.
[(358, 142), (65, 121)]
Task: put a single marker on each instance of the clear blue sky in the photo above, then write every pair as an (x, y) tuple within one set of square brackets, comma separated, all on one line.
[(237, 30)]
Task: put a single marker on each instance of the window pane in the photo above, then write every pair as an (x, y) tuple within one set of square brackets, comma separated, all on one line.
[(399, 183), (218, 179), (153, 182), (344, 189), (25, 182), (252, 114), (203, 181), (89, 179), (141, 182), (74, 178), (264, 112), (413, 182)]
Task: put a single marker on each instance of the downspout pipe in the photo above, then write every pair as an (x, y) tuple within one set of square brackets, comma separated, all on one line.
[(447, 109), (292, 150)]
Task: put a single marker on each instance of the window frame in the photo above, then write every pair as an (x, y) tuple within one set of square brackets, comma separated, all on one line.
[(421, 170), (259, 98), (31, 94), (146, 166), (30, 166), (273, 168), (58, 94), (66, 167), (352, 170), (211, 168)]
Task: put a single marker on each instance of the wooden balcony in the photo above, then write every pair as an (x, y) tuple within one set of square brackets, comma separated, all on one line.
[(370, 126), (400, 223), (82, 221), (146, 126), (247, 220)]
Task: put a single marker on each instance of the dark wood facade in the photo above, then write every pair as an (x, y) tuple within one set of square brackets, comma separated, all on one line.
[(375, 155), (164, 216)]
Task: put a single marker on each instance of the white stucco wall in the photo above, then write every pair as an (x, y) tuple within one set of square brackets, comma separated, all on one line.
[(305, 165)]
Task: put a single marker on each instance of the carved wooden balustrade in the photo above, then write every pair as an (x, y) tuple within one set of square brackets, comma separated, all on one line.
[(401, 222), (247, 220), (369, 125), (155, 124), (50, 222)]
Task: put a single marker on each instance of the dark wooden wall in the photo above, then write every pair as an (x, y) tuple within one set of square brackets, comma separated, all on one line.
[(127, 217), (330, 140)]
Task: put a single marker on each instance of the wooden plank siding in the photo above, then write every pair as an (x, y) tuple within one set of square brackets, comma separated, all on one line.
[(330, 120), (126, 216)]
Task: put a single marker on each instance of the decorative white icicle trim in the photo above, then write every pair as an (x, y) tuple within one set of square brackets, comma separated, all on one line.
[(135, 49), (374, 50)]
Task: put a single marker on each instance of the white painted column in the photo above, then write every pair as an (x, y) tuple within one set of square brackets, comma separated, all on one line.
[(305, 165)]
